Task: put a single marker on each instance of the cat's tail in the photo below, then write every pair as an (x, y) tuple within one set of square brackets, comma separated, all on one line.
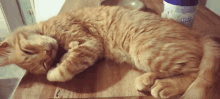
[(209, 70), (209, 65)]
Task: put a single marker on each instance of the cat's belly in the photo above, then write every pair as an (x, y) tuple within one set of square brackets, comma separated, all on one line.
[(117, 54)]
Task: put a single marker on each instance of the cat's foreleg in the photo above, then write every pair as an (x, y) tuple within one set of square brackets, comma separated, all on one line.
[(76, 60)]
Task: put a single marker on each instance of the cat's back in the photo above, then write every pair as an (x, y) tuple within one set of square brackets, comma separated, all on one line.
[(120, 26), (115, 22), (123, 29)]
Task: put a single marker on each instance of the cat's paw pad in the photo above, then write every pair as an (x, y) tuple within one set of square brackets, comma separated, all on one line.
[(144, 82), (54, 75), (164, 89)]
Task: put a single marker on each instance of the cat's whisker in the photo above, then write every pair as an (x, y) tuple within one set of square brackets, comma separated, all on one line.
[(33, 69), (38, 78), (44, 65)]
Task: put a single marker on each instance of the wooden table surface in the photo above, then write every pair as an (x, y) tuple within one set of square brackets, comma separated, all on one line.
[(107, 79)]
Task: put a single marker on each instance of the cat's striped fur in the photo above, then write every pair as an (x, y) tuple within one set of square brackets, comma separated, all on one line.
[(161, 47)]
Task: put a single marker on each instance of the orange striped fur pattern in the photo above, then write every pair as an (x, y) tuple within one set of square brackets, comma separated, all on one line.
[(167, 51)]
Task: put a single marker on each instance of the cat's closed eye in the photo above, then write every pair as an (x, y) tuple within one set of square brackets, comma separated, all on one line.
[(181, 64), (29, 52)]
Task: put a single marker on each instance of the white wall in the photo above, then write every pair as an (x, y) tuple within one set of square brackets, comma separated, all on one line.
[(26, 11), (4, 27), (214, 5), (45, 9), (12, 13)]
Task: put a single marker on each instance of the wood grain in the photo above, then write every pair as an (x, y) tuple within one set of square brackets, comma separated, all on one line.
[(106, 79)]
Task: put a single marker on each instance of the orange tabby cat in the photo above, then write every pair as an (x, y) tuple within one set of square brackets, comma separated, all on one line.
[(169, 52)]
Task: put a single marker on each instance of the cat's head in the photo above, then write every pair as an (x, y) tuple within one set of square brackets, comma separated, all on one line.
[(29, 50)]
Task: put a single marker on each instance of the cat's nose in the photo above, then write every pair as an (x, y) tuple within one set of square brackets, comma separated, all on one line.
[(50, 48), (49, 52)]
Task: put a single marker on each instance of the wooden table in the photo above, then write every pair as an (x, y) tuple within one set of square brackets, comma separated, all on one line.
[(107, 78)]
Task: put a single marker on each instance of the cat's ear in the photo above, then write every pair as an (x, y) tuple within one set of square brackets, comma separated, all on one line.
[(4, 43), (7, 41), (4, 53), (23, 39)]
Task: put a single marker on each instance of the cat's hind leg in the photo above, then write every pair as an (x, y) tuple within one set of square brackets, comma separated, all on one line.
[(162, 87), (146, 58), (172, 86), (145, 81)]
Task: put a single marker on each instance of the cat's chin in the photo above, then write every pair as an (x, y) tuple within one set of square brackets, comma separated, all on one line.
[(45, 66), (39, 72)]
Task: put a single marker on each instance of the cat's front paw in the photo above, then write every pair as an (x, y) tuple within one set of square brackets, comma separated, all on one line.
[(164, 88), (56, 75), (145, 81)]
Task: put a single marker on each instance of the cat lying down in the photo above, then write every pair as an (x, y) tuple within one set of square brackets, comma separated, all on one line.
[(167, 51)]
